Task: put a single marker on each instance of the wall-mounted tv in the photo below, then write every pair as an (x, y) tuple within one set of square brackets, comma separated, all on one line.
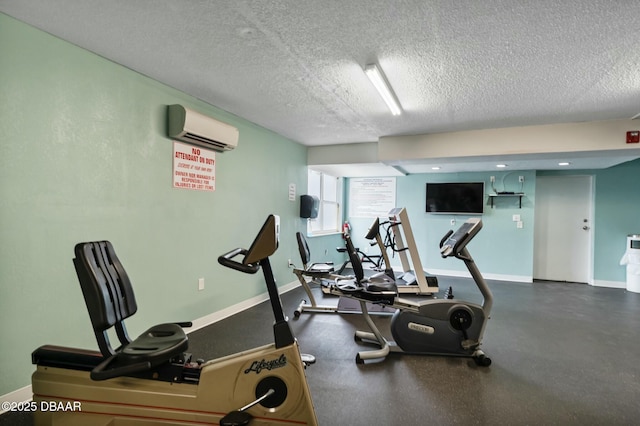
[(455, 198)]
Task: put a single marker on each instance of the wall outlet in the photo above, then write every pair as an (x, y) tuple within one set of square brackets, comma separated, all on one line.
[(519, 224), (452, 222), (492, 179), (520, 179), (515, 218), (200, 284), (290, 263)]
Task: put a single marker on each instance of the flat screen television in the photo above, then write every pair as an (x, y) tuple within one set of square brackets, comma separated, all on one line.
[(455, 198)]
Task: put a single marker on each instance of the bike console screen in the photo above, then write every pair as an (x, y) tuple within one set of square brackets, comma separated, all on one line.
[(454, 242)]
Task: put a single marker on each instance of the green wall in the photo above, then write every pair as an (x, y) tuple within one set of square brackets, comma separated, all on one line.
[(617, 214), (504, 252), (84, 156), (500, 249)]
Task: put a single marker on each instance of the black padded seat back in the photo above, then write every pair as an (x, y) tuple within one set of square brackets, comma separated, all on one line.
[(109, 297), (379, 284), (311, 269), (356, 264), (303, 248), (105, 284)]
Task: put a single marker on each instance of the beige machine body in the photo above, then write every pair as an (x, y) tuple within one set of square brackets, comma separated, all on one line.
[(226, 384)]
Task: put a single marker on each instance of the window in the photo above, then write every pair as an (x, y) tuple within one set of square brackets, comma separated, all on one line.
[(328, 189)]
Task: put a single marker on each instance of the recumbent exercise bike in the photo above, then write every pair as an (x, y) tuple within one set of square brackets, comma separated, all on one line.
[(151, 380), (398, 237)]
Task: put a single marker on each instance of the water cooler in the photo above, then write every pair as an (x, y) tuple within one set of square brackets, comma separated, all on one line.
[(631, 258)]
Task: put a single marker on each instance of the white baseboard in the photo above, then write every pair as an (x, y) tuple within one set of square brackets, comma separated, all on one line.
[(609, 284), (26, 394), (466, 274), (238, 307), (20, 395)]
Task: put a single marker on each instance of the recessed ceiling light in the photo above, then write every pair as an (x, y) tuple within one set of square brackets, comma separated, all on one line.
[(501, 166), (564, 163)]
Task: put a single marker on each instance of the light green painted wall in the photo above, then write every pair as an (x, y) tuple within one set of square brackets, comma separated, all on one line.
[(323, 249), (617, 214), (84, 156), (500, 249)]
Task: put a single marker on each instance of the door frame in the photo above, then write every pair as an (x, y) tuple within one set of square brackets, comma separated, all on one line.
[(590, 261)]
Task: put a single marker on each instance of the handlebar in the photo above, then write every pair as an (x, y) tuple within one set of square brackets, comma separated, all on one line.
[(227, 260), (446, 237)]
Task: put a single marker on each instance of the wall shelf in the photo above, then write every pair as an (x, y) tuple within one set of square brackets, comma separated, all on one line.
[(513, 194)]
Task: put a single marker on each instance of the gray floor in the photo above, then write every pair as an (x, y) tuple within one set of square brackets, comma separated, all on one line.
[(564, 354)]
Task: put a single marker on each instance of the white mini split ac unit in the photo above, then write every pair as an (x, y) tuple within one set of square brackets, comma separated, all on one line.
[(192, 127)]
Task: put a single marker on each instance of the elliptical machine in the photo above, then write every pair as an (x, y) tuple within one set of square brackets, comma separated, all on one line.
[(448, 327), (150, 380)]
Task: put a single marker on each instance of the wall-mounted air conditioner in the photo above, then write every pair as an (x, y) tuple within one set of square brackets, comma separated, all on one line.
[(192, 127)]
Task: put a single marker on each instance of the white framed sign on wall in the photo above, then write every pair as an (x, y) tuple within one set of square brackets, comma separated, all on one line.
[(371, 197), (193, 167)]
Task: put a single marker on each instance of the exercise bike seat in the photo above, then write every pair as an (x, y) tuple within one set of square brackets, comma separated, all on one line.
[(311, 269), (381, 285), (348, 285), (110, 300)]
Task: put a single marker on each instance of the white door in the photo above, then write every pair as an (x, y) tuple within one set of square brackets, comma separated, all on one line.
[(563, 229)]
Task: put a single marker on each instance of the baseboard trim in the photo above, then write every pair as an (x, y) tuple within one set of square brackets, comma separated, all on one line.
[(466, 274), (21, 395), (609, 284), (238, 307), (26, 394)]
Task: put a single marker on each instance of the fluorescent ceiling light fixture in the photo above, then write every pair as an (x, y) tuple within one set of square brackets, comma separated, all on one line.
[(501, 166), (435, 168), (384, 89), (564, 163)]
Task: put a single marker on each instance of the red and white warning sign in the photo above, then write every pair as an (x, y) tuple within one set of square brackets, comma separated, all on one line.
[(193, 167)]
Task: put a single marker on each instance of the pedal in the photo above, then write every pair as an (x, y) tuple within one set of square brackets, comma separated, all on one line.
[(307, 359), (468, 344), (449, 293), (241, 417)]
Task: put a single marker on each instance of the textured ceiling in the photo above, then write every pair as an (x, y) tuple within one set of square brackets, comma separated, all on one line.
[(295, 66)]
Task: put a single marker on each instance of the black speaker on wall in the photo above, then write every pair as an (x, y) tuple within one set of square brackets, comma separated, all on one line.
[(309, 206)]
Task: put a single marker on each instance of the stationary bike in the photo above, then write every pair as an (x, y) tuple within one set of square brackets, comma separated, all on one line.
[(324, 275), (447, 327), (151, 380)]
